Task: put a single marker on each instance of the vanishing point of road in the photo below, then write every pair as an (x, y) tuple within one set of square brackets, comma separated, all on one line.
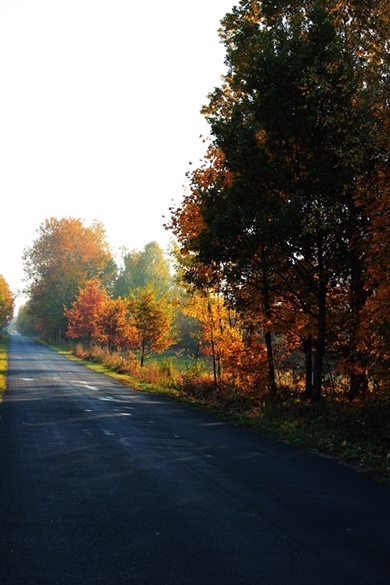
[(101, 484)]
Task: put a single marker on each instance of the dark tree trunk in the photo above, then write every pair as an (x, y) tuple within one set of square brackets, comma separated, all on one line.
[(320, 343), (358, 382), (270, 361), (358, 385), (268, 339), (307, 349)]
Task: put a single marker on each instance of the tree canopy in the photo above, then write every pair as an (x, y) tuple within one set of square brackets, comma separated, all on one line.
[(63, 257), (147, 267)]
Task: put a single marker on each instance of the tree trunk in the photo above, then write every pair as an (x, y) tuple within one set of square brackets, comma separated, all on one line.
[(268, 339), (320, 342), (212, 345), (358, 381), (308, 348), (358, 385)]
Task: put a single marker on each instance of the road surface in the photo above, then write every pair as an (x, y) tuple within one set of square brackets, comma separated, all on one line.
[(104, 485)]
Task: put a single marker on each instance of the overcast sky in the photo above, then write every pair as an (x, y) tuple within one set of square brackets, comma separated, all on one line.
[(99, 113)]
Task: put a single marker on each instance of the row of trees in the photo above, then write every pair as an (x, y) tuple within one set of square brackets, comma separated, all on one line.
[(288, 217), (138, 321), (76, 292)]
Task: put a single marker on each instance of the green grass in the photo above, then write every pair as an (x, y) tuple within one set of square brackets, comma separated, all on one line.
[(180, 362)]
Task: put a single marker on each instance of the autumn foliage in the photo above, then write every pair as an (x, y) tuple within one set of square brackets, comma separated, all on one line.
[(282, 247), (6, 303), (63, 257), (74, 288), (288, 215), (140, 322)]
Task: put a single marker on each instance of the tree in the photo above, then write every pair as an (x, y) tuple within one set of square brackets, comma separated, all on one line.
[(225, 338), (85, 313), (373, 330), (143, 268), (297, 120), (116, 327), (152, 318), (233, 343), (24, 320), (6, 303), (64, 256), (96, 317)]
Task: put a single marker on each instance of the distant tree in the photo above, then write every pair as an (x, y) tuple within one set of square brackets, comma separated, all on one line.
[(96, 317), (146, 268), (64, 256), (116, 327), (24, 322), (84, 314), (188, 331), (6, 303), (152, 318)]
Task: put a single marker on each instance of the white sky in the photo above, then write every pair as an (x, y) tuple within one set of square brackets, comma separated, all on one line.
[(99, 113)]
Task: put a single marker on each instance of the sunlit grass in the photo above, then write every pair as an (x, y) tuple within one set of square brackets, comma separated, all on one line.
[(141, 379)]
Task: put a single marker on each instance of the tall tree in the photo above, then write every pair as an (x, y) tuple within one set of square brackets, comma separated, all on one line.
[(6, 303), (62, 258), (297, 119)]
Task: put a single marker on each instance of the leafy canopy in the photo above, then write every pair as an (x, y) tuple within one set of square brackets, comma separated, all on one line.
[(65, 254)]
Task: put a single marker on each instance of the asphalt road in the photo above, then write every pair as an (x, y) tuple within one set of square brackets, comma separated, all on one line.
[(104, 485)]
